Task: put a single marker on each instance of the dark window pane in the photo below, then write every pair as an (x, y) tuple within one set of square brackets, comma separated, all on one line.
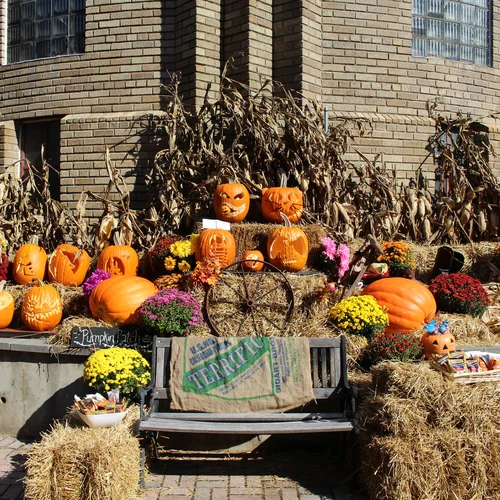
[(42, 28)]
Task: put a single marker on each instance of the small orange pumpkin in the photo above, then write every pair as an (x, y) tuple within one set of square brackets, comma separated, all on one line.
[(117, 299), (276, 200), (68, 265), (231, 202), (6, 307), (42, 307), (253, 260), (216, 243), (410, 304), (437, 343), (288, 247), (119, 260), (29, 263)]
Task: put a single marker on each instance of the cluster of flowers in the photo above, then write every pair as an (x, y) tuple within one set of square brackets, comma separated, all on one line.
[(206, 272), (398, 256), (393, 347), (174, 253), (171, 312), (334, 258), (360, 315), (116, 368), (459, 293), (4, 260), (93, 280)]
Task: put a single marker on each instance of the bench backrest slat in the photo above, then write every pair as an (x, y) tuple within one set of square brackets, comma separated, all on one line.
[(328, 367)]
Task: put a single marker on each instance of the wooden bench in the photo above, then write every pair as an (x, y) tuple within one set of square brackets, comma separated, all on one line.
[(328, 378)]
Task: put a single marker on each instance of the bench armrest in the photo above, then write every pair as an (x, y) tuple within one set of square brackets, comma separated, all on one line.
[(142, 392)]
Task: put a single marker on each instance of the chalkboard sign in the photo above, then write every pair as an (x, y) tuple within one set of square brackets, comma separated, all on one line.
[(97, 336)]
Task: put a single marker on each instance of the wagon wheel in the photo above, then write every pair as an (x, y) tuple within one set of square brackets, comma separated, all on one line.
[(250, 304)]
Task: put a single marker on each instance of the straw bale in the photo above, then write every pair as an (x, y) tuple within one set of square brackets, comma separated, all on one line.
[(77, 463), (253, 236), (424, 436)]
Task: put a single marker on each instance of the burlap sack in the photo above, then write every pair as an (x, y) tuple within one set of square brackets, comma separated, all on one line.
[(239, 374)]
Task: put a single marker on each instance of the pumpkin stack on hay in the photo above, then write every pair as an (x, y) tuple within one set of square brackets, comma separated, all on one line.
[(423, 436), (72, 462)]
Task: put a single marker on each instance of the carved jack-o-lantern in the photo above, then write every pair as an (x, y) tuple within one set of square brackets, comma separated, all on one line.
[(438, 343), (68, 265), (231, 202), (276, 200), (42, 307), (287, 247), (216, 243), (29, 263), (118, 260), (253, 260)]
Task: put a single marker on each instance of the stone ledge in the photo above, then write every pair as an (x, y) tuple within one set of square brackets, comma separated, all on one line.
[(26, 341)]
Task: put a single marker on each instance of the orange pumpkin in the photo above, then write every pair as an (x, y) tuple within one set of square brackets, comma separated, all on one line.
[(116, 299), (276, 200), (253, 260), (410, 304), (442, 343), (231, 202), (42, 307), (29, 263), (287, 247), (6, 307), (216, 243), (119, 260), (68, 265)]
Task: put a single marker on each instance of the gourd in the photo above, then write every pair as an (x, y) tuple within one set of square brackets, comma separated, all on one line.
[(286, 200), (116, 299), (68, 265), (29, 263), (42, 307), (410, 304), (216, 243), (288, 247), (119, 260), (231, 202), (6, 306), (253, 260)]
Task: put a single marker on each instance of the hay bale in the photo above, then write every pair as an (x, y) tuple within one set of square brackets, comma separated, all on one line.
[(71, 463), (424, 436)]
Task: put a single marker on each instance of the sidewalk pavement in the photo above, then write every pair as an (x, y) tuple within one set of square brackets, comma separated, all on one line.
[(285, 475)]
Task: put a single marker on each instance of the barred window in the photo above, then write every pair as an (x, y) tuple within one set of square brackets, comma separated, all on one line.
[(44, 28), (459, 30)]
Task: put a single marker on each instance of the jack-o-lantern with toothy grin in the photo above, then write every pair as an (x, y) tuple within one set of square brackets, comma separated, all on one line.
[(231, 202)]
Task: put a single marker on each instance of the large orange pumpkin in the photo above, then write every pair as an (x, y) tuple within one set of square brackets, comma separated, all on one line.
[(119, 260), (216, 243), (410, 304), (287, 247), (117, 299), (68, 265), (231, 202), (29, 263), (42, 308), (277, 200), (6, 307)]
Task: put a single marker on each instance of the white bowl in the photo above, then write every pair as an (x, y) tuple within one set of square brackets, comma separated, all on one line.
[(103, 419)]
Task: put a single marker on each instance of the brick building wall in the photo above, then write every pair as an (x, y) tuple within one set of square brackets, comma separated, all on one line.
[(353, 57)]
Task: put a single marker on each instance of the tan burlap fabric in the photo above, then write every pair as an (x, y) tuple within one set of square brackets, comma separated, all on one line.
[(239, 374)]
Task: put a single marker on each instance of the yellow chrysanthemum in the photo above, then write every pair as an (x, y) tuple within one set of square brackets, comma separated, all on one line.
[(181, 249), (169, 263), (184, 266)]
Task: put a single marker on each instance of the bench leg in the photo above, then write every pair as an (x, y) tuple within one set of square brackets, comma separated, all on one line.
[(144, 442)]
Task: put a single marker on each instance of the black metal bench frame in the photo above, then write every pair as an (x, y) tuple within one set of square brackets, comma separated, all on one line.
[(328, 378)]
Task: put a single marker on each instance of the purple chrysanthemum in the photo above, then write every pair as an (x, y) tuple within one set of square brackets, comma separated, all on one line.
[(93, 280)]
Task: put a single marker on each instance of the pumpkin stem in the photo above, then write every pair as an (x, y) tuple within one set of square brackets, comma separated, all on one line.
[(36, 282), (286, 220)]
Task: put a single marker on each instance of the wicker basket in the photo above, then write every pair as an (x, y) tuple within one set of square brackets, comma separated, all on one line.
[(468, 378)]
